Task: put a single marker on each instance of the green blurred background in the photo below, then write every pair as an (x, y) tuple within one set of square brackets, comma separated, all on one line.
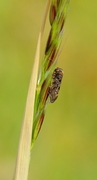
[(66, 148)]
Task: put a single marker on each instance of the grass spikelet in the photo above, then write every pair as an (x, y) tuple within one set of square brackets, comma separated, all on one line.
[(57, 17)]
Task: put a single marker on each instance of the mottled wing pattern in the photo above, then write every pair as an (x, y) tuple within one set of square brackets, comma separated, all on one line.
[(56, 82)]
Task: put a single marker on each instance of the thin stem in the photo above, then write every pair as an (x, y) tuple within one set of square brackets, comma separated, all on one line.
[(23, 157)]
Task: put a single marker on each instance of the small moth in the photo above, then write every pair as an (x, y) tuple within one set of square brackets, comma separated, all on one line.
[(56, 83)]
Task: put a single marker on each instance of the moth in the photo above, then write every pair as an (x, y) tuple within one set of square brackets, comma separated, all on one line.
[(56, 83)]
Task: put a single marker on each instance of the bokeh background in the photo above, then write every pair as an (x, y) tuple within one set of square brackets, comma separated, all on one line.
[(67, 145)]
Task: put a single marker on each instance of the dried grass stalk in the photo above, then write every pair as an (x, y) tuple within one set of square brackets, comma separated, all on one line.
[(23, 157)]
